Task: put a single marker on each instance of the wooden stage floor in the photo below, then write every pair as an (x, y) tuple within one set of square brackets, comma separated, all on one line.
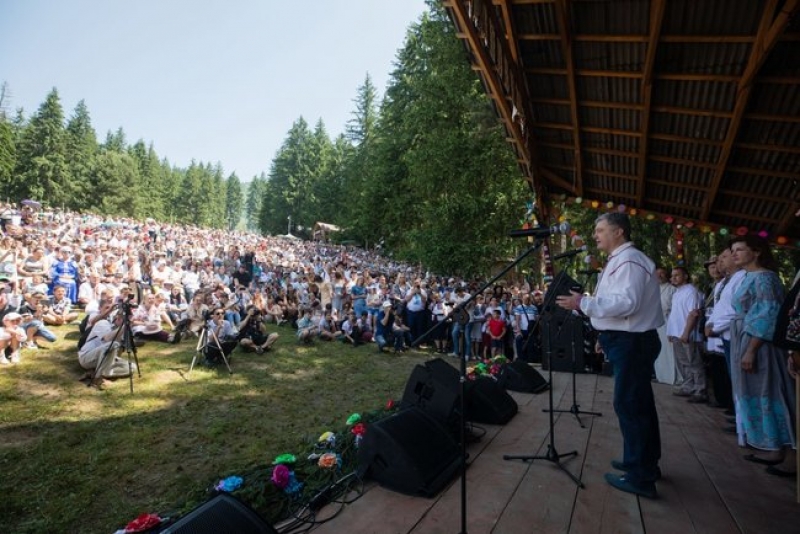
[(706, 487)]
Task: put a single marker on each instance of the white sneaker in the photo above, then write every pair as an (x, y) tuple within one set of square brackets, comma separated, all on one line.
[(4, 360), (15, 357), (31, 345)]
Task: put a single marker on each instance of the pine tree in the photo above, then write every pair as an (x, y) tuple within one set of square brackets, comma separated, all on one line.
[(233, 201), (81, 151), (42, 170)]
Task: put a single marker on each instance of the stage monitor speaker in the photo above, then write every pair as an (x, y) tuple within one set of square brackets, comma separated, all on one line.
[(409, 452), (519, 376), (560, 330), (489, 403), (433, 388), (223, 513)]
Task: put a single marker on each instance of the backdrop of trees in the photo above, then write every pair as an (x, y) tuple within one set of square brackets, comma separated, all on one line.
[(423, 172)]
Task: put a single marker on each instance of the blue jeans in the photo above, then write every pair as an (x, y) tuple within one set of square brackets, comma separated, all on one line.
[(458, 329), (633, 355), (41, 330)]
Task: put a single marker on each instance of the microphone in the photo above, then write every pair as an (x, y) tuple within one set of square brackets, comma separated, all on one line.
[(542, 231), (570, 253)]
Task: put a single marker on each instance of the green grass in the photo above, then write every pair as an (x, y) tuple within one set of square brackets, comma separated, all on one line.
[(75, 459)]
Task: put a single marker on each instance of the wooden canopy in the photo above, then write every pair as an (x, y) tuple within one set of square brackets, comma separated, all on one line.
[(686, 108)]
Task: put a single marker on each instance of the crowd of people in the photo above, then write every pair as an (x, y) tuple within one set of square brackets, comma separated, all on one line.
[(175, 282), (730, 346)]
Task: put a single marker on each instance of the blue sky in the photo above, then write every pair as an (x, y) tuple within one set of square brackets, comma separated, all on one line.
[(207, 80)]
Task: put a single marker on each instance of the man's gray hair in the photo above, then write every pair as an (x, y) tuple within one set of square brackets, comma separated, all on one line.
[(620, 220)]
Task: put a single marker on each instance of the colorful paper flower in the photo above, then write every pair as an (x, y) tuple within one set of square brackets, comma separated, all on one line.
[(327, 439), (230, 484), (328, 460), (390, 404), (286, 458), (293, 488), (353, 419), (280, 476), (143, 522), (359, 429)]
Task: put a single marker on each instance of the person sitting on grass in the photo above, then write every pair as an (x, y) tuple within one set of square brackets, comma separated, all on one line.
[(221, 340), (12, 337), (351, 330), (60, 312), (32, 312), (365, 325), (99, 354), (497, 331), (274, 312), (327, 328), (253, 335), (306, 330), (402, 334)]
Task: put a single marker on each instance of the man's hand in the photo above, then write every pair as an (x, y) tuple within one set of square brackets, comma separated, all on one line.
[(571, 301)]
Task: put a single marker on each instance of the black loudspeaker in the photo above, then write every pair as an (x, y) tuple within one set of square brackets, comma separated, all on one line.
[(409, 452), (489, 403), (519, 376), (433, 388), (560, 331), (223, 513)]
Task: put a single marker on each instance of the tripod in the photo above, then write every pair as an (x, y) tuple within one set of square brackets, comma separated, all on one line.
[(552, 454), (207, 337), (575, 408), (127, 344)]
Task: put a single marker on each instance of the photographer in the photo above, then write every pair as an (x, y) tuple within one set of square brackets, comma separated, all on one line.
[(99, 354), (253, 335), (222, 337)]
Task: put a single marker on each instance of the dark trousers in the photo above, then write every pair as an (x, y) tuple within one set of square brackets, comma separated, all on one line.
[(415, 320), (633, 355)]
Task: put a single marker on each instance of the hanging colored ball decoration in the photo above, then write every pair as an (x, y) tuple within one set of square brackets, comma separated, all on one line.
[(763, 234), (723, 231), (669, 220), (781, 240), (595, 204), (578, 200), (742, 230), (678, 226), (633, 211), (650, 216), (621, 208), (609, 204), (689, 224)]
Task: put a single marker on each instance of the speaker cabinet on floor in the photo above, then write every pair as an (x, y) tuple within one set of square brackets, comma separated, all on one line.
[(519, 376), (433, 388), (223, 513), (409, 452), (489, 403)]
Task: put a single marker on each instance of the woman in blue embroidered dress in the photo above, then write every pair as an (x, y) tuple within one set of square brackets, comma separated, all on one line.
[(763, 390)]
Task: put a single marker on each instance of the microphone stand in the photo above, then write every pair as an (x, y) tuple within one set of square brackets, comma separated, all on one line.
[(575, 409), (552, 454), (461, 308)]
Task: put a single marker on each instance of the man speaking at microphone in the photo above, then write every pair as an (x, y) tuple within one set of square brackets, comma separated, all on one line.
[(623, 312)]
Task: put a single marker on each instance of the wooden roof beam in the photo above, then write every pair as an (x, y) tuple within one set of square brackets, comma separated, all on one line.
[(512, 111), (788, 218), (508, 22), (563, 19), (657, 8), (769, 29)]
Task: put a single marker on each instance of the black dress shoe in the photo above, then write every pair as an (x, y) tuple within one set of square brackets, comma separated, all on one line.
[(644, 489), (619, 466)]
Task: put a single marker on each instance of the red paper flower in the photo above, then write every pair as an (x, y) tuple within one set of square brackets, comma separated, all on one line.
[(359, 429), (143, 522), (390, 404)]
